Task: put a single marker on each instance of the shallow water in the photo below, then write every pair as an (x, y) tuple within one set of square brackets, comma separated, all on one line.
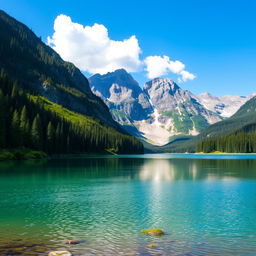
[(206, 205)]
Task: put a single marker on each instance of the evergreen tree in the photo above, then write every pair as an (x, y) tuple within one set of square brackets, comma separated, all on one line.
[(24, 132), (36, 133), (74, 133), (50, 138), (15, 129), (2, 121)]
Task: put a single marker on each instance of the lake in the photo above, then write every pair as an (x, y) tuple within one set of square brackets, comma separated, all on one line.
[(205, 204)]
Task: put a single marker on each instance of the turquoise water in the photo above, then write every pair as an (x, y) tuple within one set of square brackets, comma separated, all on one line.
[(206, 205)]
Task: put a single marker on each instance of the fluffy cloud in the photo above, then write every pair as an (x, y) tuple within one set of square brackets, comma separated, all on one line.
[(91, 49), (157, 66), (185, 75)]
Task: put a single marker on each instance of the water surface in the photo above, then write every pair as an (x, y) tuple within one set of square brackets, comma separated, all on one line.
[(206, 205)]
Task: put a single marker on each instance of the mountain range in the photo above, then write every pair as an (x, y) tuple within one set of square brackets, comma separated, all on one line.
[(161, 110), (47, 104)]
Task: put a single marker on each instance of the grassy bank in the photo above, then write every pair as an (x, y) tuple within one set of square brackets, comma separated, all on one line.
[(21, 154), (223, 153)]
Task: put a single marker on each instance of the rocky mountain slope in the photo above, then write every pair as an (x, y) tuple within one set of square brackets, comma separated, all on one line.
[(157, 112), (244, 120), (123, 95), (178, 110), (225, 106)]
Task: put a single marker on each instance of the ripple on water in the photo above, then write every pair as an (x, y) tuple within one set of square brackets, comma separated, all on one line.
[(202, 212)]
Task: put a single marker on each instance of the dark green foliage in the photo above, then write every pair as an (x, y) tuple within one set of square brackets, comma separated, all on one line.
[(40, 70), (50, 137), (34, 122), (32, 154), (15, 129), (21, 154), (5, 155), (241, 141), (24, 127), (46, 103), (2, 120), (37, 133)]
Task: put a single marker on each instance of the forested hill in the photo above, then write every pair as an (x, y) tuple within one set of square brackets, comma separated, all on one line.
[(241, 141), (38, 68), (46, 103)]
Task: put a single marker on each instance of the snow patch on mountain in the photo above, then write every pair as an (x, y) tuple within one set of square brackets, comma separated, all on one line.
[(226, 105), (161, 109)]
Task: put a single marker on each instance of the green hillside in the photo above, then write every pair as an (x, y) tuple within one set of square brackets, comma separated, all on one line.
[(33, 121), (25, 58), (47, 104)]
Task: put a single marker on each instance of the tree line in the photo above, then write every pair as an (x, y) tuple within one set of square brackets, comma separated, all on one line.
[(240, 142), (34, 122)]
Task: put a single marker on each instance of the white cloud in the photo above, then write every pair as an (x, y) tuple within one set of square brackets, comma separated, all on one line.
[(157, 66), (185, 75), (91, 49)]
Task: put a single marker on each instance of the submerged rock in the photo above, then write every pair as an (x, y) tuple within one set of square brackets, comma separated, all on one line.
[(153, 232), (74, 242), (21, 247), (60, 253), (152, 245)]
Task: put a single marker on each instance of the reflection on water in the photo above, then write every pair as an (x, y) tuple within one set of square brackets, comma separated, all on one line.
[(158, 170), (207, 206), (132, 168)]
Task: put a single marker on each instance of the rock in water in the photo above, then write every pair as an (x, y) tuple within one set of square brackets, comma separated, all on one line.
[(74, 242), (60, 253), (153, 232)]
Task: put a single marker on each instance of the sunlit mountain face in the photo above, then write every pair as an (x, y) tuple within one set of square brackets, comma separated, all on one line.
[(161, 109)]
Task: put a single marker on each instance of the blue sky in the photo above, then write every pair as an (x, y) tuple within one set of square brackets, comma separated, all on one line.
[(215, 39)]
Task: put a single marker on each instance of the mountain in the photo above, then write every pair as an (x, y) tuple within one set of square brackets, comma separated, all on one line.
[(155, 113), (238, 135), (123, 95), (245, 115), (225, 106), (242, 122), (178, 110), (39, 90)]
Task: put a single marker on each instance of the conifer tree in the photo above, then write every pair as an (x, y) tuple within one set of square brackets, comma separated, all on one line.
[(36, 133), (50, 138), (24, 132), (2, 121), (15, 129)]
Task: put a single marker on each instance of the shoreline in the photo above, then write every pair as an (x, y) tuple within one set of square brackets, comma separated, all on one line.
[(39, 155), (221, 153)]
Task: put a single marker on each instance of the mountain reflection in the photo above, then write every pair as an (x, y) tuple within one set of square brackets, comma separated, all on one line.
[(145, 169), (157, 170)]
